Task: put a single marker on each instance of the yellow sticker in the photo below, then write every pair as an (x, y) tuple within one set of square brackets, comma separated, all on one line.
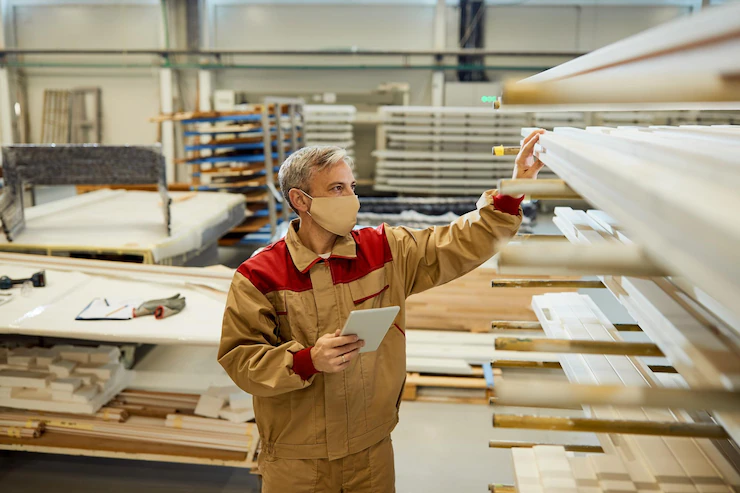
[(106, 414), (498, 150), (14, 432), (177, 422), (29, 424)]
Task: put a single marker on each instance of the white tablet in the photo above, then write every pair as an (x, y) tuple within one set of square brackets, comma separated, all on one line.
[(370, 325)]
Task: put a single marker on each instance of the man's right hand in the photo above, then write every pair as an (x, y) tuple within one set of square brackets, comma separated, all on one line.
[(327, 353)]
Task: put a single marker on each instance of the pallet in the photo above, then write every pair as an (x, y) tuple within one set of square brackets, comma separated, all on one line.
[(438, 388)]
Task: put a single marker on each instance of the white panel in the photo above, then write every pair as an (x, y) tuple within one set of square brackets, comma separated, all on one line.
[(130, 96)]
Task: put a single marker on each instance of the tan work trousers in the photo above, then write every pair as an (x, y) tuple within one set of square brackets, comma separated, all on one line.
[(369, 471)]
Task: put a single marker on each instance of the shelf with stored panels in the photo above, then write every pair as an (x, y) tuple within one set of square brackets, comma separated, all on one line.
[(330, 124), (446, 151), (241, 152), (661, 235)]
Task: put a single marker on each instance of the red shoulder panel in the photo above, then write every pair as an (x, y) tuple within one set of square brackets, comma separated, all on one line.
[(373, 252), (273, 270)]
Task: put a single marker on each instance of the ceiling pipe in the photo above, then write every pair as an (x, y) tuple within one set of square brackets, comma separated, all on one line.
[(221, 53)]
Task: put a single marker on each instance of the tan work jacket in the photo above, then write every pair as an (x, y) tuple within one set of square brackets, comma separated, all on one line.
[(286, 297)]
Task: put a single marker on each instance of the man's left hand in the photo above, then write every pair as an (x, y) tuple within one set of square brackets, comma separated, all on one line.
[(526, 164)]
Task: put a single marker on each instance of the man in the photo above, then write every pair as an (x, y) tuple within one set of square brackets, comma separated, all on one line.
[(324, 411)]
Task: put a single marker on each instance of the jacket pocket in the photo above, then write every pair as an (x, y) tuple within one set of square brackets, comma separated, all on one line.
[(367, 292), (296, 316)]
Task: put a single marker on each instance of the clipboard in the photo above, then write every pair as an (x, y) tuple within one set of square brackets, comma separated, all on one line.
[(370, 325)]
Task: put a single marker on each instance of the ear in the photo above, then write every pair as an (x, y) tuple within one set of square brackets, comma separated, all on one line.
[(300, 202)]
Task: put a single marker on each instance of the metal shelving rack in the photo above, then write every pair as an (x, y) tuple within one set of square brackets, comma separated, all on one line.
[(241, 152), (667, 205)]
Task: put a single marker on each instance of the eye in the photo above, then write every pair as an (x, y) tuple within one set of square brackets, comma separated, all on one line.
[(338, 188)]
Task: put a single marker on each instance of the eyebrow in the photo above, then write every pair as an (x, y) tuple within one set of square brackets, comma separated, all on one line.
[(354, 182)]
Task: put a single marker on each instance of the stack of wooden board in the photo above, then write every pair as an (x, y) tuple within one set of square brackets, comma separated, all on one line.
[(693, 464), (601, 165), (160, 427), (230, 403), (71, 379), (549, 468), (697, 333)]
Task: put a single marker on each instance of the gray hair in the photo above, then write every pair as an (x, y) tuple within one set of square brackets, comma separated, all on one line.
[(297, 169)]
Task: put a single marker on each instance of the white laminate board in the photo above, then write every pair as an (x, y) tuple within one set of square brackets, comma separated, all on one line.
[(51, 311), (438, 365)]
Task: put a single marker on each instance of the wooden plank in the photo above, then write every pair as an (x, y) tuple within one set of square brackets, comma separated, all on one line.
[(595, 425), (547, 189), (546, 283), (576, 260), (544, 394), (61, 443), (536, 326), (577, 346), (588, 449)]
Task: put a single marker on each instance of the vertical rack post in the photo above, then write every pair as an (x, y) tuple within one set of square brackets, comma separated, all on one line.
[(280, 146), (269, 174), (293, 148)]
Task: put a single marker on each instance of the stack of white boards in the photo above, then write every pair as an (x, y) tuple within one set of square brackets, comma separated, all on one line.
[(329, 124), (549, 468), (672, 463), (453, 352), (443, 150), (64, 379), (229, 402)]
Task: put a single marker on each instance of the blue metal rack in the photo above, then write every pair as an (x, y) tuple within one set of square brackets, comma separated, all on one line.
[(256, 158), (272, 134), (236, 147), (229, 118), (275, 169)]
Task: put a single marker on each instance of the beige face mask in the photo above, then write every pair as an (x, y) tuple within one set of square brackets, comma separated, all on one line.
[(337, 215)]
